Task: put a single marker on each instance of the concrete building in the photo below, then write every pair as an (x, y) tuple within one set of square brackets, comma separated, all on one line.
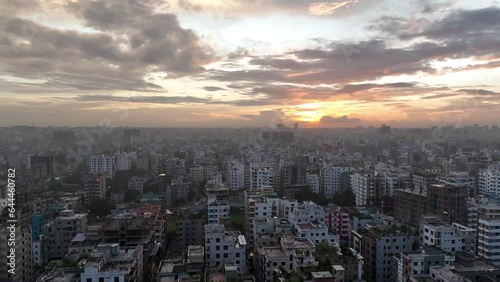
[(363, 186), (103, 164), (448, 203), (190, 230), (222, 246), (23, 252), (421, 180), (260, 206), (197, 173), (378, 248), (313, 182), (334, 179), (449, 238), (94, 187), (409, 206), (136, 183), (236, 176), (109, 263), (418, 265), (488, 232), (261, 175), (489, 180), (123, 161), (291, 253), (338, 222), (59, 233)]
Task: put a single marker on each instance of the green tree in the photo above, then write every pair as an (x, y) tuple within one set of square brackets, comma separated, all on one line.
[(131, 195), (100, 207)]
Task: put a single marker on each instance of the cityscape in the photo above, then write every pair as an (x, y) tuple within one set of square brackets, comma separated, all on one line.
[(249, 141)]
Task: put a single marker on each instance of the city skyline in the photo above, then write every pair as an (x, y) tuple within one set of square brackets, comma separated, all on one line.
[(237, 63)]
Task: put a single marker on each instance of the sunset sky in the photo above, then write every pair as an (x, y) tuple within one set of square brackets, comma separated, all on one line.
[(212, 63)]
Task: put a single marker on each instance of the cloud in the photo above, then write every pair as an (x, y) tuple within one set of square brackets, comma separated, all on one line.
[(479, 92), (130, 40), (341, 119), (213, 88)]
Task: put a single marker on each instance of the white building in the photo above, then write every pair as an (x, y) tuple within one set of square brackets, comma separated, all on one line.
[(103, 164), (123, 161), (489, 180), (236, 176), (450, 239), (222, 246), (261, 175), (308, 221), (109, 263), (488, 232), (38, 252), (312, 180), (331, 180), (363, 186)]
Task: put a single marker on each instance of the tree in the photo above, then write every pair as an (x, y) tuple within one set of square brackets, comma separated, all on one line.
[(100, 207), (131, 195)]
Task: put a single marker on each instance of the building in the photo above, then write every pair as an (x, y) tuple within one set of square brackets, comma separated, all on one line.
[(448, 202), (418, 265), (409, 206), (136, 183), (449, 238), (422, 179), (291, 253), (334, 179), (103, 164), (378, 248), (23, 252), (109, 263), (312, 180), (261, 175), (489, 180), (131, 231), (94, 187), (338, 222), (236, 176), (51, 165), (488, 232), (197, 173), (190, 230), (217, 203), (59, 233), (363, 185), (260, 206), (123, 161), (222, 246)]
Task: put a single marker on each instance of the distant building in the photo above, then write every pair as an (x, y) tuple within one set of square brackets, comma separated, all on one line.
[(222, 246), (103, 164), (334, 179), (59, 233), (94, 187)]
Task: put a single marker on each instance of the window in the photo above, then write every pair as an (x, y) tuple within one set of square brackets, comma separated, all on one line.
[(89, 279), (101, 279), (117, 279)]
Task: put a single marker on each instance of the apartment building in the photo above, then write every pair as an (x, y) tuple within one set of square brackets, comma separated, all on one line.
[(222, 246), (59, 233)]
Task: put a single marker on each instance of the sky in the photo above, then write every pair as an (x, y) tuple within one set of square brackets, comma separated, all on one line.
[(238, 63)]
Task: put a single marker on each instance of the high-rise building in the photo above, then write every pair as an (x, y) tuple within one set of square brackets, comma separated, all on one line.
[(59, 233), (410, 205), (94, 187), (23, 257), (363, 184), (331, 180), (312, 180), (261, 175), (448, 203), (379, 246), (489, 180), (222, 246), (103, 164)]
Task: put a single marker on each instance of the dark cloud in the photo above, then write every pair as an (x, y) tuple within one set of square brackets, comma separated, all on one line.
[(342, 119), (213, 88), (132, 41), (479, 92), (166, 100), (438, 96)]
